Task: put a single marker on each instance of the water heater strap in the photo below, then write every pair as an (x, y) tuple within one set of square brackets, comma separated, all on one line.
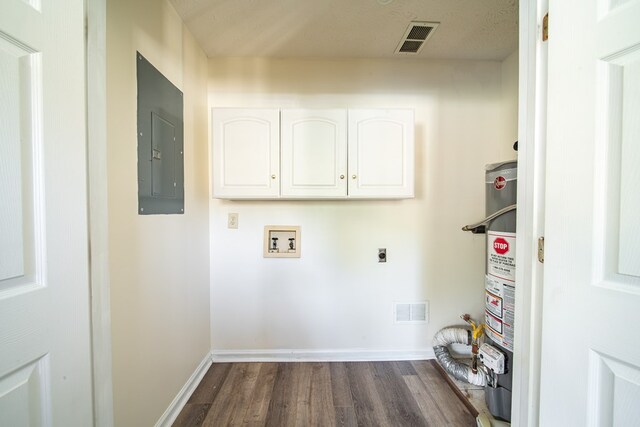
[(490, 218)]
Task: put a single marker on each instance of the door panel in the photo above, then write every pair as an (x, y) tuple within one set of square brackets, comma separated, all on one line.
[(24, 395), (246, 153), (590, 362), (11, 221), (381, 153), (614, 391), (45, 361), (314, 153), (628, 70)]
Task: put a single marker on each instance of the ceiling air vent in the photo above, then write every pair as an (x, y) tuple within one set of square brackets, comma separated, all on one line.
[(416, 36)]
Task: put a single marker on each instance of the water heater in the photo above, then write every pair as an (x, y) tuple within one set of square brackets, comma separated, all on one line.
[(500, 229)]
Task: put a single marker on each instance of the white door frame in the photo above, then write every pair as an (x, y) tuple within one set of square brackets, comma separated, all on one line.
[(530, 215), (96, 67)]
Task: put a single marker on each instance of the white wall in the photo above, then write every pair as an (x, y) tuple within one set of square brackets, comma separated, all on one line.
[(509, 74), (159, 264), (336, 296)]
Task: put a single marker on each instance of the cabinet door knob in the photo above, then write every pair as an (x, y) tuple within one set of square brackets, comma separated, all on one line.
[(353, 176), (341, 176), (273, 177)]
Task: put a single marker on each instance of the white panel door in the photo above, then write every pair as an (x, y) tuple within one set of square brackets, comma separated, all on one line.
[(381, 153), (590, 367), (246, 153), (314, 153), (45, 361)]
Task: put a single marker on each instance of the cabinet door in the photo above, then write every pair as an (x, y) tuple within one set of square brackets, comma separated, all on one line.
[(245, 153), (314, 153), (381, 151)]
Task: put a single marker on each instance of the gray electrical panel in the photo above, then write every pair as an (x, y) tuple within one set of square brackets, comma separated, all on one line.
[(160, 142)]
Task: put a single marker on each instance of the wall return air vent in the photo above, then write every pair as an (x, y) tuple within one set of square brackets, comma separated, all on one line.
[(416, 37), (413, 312)]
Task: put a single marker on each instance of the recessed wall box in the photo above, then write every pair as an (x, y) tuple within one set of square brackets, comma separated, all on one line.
[(160, 142), (281, 241)]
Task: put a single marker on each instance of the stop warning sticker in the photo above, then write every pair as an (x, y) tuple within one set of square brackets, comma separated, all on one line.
[(501, 255)]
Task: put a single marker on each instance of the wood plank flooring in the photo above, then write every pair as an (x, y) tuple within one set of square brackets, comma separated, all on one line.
[(325, 394)]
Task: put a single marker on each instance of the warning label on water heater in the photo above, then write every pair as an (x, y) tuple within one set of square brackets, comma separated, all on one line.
[(500, 298), (500, 287), (501, 255)]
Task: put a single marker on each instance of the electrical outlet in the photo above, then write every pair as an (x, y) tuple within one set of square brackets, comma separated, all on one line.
[(232, 220), (382, 255)]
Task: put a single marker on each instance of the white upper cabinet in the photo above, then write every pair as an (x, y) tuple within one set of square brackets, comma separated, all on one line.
[(313, 153), (381, 154), (246, 153)]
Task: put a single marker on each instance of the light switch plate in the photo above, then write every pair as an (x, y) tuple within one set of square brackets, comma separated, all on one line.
[(232, 220)]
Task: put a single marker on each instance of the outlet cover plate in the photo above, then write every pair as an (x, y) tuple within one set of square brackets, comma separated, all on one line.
[(232, 220)]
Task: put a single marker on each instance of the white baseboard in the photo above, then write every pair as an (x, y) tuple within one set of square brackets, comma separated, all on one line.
[(287, 355), (185, 393)]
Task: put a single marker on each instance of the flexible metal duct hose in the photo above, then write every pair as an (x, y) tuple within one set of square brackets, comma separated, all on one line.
[(459, 370)]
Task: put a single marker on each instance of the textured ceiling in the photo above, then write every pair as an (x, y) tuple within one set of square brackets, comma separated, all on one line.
[(469, 29)]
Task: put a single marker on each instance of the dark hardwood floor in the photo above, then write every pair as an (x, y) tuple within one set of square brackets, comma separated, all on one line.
[(325, 394)]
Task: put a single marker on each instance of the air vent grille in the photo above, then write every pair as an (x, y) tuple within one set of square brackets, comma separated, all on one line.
[(410, 46), (411, 312), (419, 32), (416, 37)]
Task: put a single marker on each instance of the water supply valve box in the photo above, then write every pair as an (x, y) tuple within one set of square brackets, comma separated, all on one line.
[(281, 241), (492, 358)]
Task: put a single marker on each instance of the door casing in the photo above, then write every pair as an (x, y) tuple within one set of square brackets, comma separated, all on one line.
[(532, 109)]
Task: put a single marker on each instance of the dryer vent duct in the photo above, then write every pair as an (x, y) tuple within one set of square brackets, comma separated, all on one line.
[(416, 37)]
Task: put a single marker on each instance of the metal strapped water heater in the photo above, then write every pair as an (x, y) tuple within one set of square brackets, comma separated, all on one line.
[(500, 185), (496, 354)]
